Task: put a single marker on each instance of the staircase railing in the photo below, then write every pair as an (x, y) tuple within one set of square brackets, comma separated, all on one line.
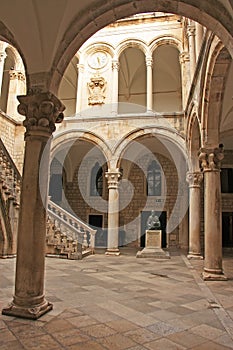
[(73, 227), (73, 231)]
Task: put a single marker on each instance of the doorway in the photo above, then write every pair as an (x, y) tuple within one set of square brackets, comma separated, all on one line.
[(163, 221), (227, 229), (96, 222)]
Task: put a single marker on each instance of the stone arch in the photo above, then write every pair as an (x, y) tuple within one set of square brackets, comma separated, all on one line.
[(166, 40), (194, 141), (164, 132), (7, 36), (100, 46), (61, 139), (19, 65), (131, 43), (106, 13), (213, 90)]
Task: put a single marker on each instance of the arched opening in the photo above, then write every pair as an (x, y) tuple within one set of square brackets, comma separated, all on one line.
[(167, 88), (132, 80)]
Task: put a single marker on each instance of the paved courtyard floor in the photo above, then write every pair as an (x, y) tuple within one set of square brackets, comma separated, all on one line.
[(116, 303)]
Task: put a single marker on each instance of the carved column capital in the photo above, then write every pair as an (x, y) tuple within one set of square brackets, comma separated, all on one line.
[(149, 61), (113, 176), (115, 65), (42, 111), (3, 56), (191, 30), (210, 158), (194, 179), (184, 57)]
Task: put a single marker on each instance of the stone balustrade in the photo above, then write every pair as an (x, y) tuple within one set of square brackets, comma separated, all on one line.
[(75, 230)]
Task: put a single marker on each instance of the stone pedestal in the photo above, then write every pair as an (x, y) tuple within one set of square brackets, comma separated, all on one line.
[(153, 248)]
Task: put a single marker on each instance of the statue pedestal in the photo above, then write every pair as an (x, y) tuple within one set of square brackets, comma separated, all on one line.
[(153, 248)]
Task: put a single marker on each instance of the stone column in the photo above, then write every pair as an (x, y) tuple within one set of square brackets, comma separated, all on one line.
[(210, 163), (80, 68), (16, 87), (113, 176), (2, 62), (192, 49), (185, 73), (115, 80), (194, 179), (199, 37), (42, 111), (149, 84)]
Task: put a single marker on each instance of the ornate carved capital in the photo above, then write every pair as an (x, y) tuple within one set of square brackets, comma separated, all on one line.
[(149, 61), (191, 30), (113, 178), (3, 56), (210, 159), (184, 57), (115, 65), (16, 75), (42, 111), (194, 179)]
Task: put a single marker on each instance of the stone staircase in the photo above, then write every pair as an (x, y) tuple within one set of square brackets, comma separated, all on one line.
[(10, 179), (66, 235)]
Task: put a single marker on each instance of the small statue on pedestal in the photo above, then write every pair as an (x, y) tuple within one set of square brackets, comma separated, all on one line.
[(153, 222)]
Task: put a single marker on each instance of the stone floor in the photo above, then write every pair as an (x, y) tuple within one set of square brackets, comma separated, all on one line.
[(117, 303)]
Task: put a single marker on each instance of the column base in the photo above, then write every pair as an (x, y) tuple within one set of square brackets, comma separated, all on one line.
[(195, 256), (213, 275), (113, 251), (27, 312)]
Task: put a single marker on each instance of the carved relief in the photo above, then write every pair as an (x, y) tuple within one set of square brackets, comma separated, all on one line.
[(210, 159), (96, 87)]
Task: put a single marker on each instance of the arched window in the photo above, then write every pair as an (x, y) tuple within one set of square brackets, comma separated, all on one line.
[(154, 184), (96, 180)]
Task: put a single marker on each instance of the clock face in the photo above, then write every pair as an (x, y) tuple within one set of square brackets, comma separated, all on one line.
[(97, 59)]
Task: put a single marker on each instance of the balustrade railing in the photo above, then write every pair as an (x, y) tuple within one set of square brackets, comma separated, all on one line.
[(73, 227), (69, 232)]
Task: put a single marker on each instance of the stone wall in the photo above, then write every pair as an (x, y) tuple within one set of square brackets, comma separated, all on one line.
[(12, 135), (133, 198)]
